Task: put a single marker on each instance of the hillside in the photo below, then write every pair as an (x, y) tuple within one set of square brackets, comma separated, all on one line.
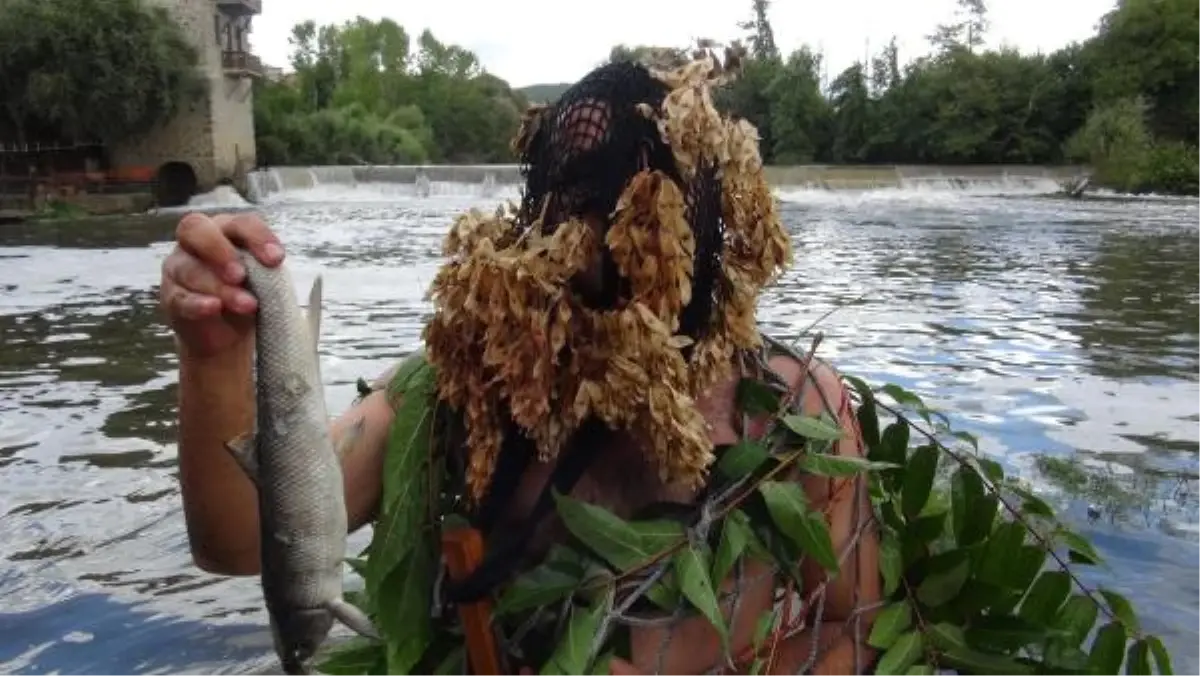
[(544, 93)]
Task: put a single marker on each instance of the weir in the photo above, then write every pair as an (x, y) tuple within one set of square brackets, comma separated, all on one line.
[(487, 180)]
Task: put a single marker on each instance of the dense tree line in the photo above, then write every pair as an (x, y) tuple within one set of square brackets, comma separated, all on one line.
[(361, 93), (90, 71), (1124, 101)]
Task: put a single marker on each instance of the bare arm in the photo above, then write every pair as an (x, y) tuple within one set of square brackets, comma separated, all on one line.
[(212, 317), (220, 503)]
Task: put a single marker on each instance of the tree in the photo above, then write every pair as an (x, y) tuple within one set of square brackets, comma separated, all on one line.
[(360, 93), (762, 36), (1147, 48), (966, 32), (91, 70)]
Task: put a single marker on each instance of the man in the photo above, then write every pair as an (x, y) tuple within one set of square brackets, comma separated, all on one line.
[(588, 158)]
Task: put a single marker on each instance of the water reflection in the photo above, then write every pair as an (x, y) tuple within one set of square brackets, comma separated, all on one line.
[(1063, 333), (1139, 312)]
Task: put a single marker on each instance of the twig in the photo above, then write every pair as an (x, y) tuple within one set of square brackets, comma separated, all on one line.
[(825, 316)]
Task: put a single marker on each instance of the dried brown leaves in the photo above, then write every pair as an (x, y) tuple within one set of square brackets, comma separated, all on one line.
[(509, 337)]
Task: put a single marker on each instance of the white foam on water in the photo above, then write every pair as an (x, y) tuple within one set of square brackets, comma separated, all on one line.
[(223, 198), (369, 184)]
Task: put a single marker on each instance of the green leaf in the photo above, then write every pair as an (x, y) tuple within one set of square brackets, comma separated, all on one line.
[(1065, 657), (1137, 658), (603, 664), (1081, 551), (893, 620), (1162, 659), (920, 670), (538, 587), (355, 656), (691, 567), (992, 469), (812, 427), (788, 507), (623, 544), (1076, 618), (1000, 552), (941, 587), (755, 397), (735, 534), (975, 662), (455, 662), (358, 565), (820, 464), (400, 555), (974, 510), (891, 565), (573, 654), (918, 480), (903, 654), (903, 396), (742, 458), (1108, 650), (1004, 632), (947, 636), (926, 529), (868, 416), (404, 620), (1122, 609), (1046, 596), (893, 447)]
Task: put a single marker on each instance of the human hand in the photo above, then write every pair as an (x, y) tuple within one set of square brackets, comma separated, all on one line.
[(201, 291)]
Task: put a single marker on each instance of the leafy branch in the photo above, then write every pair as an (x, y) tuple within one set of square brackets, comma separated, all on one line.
[(961, 588), (992, 612)]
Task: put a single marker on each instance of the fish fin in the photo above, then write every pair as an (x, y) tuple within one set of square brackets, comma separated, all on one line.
[(350, 437), (351, 616), (244, 451), (313, 317), (314, 312)]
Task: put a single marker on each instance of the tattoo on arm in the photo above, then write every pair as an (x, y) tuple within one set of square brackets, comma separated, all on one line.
[(351, 437)]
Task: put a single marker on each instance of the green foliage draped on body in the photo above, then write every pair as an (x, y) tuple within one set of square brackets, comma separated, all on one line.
[(91, 71), (978, 573)]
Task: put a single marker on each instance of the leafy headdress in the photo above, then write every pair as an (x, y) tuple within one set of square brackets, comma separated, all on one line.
[(691, 236)]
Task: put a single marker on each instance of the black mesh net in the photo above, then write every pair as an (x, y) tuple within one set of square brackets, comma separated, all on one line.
[(587, 146)]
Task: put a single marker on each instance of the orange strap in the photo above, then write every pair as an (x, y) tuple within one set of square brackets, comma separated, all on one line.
[(463, 550)]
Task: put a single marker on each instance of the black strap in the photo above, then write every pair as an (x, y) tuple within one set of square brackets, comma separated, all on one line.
[(500, 561)]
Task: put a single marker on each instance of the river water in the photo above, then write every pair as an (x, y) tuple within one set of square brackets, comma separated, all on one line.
[(1050, 328)]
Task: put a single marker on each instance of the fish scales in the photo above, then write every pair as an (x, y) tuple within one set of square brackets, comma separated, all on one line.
[(292, 461)]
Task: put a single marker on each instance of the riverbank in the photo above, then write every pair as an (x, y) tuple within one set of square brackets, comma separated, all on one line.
[(74, 207)]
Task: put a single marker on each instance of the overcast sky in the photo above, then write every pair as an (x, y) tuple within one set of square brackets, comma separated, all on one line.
[(534, 41)]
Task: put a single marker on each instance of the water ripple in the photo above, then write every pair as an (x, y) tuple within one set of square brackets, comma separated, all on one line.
[(1062, 332)]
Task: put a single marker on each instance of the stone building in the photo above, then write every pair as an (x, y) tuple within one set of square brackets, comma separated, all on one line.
[(213, 142)]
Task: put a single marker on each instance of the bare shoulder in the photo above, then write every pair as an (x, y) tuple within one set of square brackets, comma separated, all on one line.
[(360, 435), (823, 391)]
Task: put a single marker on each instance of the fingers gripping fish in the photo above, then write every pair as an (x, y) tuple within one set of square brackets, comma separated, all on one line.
[(291, 459)]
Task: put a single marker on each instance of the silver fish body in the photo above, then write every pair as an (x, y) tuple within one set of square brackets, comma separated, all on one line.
[(291, 459)]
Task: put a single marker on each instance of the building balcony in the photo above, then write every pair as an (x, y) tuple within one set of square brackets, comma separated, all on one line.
[(240, 7), (241, 64)]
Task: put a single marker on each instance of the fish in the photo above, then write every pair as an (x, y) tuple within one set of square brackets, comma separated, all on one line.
[(290, 457)]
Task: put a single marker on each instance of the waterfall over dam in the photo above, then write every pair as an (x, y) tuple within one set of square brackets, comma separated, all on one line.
[(501, 180)]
